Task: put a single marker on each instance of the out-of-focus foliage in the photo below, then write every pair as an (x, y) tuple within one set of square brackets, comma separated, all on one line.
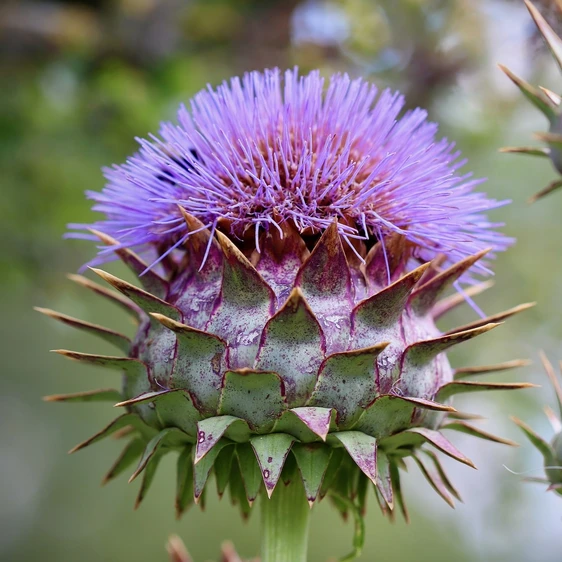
[(80, 80)]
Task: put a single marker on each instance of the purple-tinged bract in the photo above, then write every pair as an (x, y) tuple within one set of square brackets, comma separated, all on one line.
[(270, 148)]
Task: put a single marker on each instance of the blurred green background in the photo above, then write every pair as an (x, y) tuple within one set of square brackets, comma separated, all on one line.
[(80, 79)]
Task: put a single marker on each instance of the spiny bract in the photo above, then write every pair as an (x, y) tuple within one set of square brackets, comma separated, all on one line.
[(551, 452), (325, 368), (285, 333), (546, 101)]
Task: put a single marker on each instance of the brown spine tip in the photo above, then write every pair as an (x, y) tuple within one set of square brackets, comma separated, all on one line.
[(552, 186), (105, 238), (550, 138), (495, 318), (552, 377), (485, 369), (424, 298)]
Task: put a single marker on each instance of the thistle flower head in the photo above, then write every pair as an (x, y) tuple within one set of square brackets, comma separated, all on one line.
[(291, 337), (270, 148)]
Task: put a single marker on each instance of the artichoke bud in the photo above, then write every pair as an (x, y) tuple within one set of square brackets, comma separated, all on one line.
[(305, 239)]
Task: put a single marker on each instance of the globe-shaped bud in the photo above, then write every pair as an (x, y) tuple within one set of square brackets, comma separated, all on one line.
[(300, 242)]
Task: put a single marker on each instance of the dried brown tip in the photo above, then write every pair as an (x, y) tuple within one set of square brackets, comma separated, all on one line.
[(548, 367), (485, 369), (552, 186), (495, 318), (530, 150), (228, 553), (176, 550)]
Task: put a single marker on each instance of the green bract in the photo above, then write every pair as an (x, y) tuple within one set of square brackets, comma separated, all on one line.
[(546, 101), (551, 452), (300, 361)]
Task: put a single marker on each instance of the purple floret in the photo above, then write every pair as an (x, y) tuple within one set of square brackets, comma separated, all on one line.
[(269, 148)]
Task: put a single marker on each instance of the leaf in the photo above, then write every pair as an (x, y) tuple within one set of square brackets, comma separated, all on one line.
[(494, 319), (238, 492), (412, 438), (383, 309), (552, 186), (418, 371), (440, 442), (553, 379), (451, 302), (529, 150), (336, 461)]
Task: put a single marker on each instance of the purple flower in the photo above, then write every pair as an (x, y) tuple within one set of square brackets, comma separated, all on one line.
[(270, 148)]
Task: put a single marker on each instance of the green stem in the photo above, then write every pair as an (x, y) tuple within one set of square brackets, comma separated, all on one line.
[(285, 519)]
